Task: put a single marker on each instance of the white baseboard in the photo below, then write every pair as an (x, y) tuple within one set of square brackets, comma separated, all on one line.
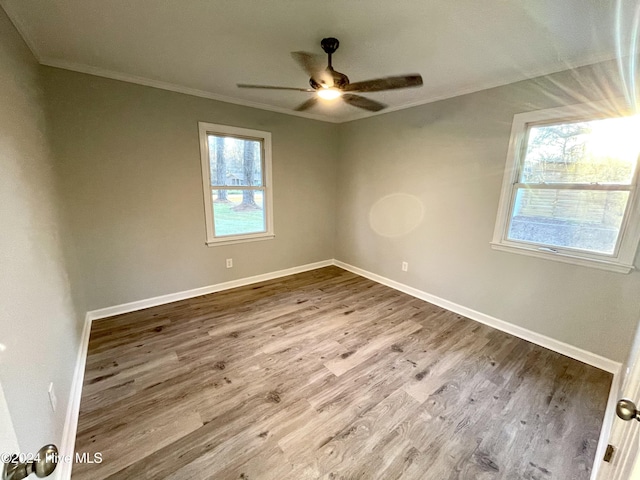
[(73, 410), (585, 356), (67, 447), (196, 292), (552, 344)]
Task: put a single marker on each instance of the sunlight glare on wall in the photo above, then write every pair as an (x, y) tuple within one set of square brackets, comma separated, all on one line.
[(396, 215)]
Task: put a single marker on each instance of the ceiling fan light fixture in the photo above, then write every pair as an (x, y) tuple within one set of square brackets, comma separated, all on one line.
[(328, 84), (329, 93)]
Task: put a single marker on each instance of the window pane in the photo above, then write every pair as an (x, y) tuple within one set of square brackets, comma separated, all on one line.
[(598, 151), (587, 220), (238, 212), (235, 161)]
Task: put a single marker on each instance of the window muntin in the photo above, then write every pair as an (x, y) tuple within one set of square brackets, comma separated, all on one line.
[(240, 161), (569, 187)]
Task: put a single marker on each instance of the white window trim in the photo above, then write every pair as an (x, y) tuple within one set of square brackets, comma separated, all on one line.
[(226, 130), (622, 260)]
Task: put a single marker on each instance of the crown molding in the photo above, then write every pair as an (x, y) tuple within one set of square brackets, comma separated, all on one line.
[(125, 77), (505, 80)]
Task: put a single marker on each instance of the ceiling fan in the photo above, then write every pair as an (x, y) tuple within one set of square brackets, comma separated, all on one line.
[(330, 84)]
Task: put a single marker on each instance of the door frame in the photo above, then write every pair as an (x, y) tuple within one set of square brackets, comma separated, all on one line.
[(607, 424), (618, 433), (8, 438)]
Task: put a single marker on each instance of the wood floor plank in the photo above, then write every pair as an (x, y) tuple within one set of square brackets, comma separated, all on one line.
[(147, 437), (348, 360), (327, 375)]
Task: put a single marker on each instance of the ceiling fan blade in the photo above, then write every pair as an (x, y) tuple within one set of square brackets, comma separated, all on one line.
[(362, 102), (386, 83), (272, 87), (307, 105), (314, 67)]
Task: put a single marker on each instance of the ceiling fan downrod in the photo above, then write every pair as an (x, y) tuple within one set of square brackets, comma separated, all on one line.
[(330, 45)]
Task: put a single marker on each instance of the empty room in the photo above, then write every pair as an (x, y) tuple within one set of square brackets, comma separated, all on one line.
[(319, 240)]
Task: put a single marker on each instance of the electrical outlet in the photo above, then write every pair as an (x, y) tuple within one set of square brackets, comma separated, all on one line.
[(405, 266), (52, 397), (229, 262)]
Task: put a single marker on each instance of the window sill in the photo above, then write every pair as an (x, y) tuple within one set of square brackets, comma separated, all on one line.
[(245, 239), (611, 266)]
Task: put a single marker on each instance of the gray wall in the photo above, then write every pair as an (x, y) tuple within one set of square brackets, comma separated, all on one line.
[(39, 327), (129, 163), (448, 157)]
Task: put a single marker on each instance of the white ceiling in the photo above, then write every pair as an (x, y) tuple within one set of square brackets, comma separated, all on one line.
[(205, 47)]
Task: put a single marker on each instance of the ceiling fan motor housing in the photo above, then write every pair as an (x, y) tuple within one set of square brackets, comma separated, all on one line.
[(340, 80)]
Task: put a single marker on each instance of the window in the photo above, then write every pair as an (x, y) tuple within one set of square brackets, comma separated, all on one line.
[(236, 176), (569, 189)]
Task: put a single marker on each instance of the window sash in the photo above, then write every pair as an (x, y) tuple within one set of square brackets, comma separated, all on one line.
[(265, 210), (521, 152), (218, 186), (547, 247)]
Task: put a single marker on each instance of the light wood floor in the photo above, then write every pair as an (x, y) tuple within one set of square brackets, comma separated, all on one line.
[(329, 375)]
